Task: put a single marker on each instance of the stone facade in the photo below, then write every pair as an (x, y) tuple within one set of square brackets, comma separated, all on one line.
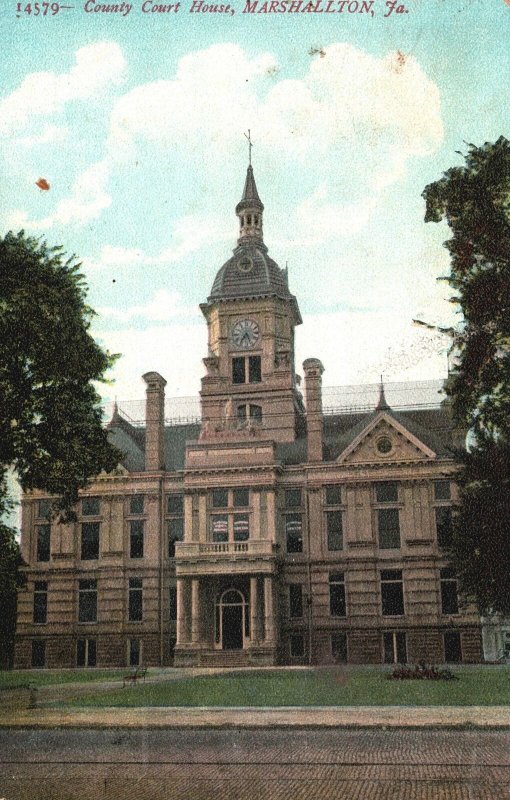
[(271, 533)]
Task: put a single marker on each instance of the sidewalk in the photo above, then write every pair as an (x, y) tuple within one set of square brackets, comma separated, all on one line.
[(437, 717)]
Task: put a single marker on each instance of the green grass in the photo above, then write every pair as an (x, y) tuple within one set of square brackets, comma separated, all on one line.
[(38, 677), (320, 687)]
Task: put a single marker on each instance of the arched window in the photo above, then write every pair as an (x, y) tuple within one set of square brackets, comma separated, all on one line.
[(249, 411)]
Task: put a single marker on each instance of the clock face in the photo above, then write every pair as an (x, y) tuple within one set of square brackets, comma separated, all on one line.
[(245, 333)]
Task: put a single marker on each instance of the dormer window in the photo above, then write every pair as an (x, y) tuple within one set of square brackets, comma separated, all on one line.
[(249, 219)]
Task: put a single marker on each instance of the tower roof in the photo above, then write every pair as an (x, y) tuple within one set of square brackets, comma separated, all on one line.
[(250, 198), (250, 272)]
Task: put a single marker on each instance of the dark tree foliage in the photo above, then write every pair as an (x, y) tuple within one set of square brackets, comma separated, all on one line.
[(475, 202), (10, 580), (51, 429)]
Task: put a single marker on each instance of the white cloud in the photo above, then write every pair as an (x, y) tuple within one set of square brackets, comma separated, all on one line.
[(174, 350), (50, 134), (353, 118), (45, 93), (163, 306), (88, 199), (187, 235), (351, 113), (210, 99)]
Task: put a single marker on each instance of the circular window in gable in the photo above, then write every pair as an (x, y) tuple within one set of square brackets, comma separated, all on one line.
[(245, 264), (384, 445)]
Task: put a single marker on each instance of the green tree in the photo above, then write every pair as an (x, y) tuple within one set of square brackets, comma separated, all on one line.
[(474, 199), (10, 580), (51, 431)]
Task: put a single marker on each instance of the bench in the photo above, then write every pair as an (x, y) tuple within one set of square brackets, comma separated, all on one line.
[(135, 676)]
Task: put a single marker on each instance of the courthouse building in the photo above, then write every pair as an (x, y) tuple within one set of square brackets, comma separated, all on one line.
[(269, 533)]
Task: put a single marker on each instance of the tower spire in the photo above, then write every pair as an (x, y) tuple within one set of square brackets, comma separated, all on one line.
[(250, 208), (382, 404)]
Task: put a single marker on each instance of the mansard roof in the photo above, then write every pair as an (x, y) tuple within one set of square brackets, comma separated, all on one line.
[(249, 273), (431, 426)]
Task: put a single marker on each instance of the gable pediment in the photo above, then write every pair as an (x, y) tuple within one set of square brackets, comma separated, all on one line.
[(385, 439)]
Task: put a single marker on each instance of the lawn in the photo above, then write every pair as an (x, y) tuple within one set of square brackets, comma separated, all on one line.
[(313, 687), (38, 677)]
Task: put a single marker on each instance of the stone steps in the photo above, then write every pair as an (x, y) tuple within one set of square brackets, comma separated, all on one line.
[(225, 658)]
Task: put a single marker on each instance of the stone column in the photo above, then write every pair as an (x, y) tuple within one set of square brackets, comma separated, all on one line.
[(188, 518), (181, 611), (195, 610), (268, 609), (202, 517), (254, 615), (271, 516)]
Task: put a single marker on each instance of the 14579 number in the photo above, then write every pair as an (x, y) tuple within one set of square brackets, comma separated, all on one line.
[(38, 9)]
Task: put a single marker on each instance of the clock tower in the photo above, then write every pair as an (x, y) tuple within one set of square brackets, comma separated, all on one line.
[(249, 391)]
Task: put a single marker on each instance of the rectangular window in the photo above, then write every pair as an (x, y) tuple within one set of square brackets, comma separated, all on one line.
[(333, 495), (254, 369), (136, 538), (43, 536), (43, 509), (175, 503), (386, 492), (90, 540), (90, 506), (256, 413), (241, 498), (220, 498), (87, 601), (444, 526), (395, 647), (135, 609), (38, 653), (136, 503), (337, 595), (449, 598), (452, 647), (297, 646), (241, 527), (134, 653), (388, 528), (334, 530), (172, 603), (295, 600), (175, 529), (238, 370), (294, 533), (392, 593), (292, 498), (86, 653), (339, 647), (442, 490), (219, 527), (40, 602)]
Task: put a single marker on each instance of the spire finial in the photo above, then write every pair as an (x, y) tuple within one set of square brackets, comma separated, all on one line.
[(250, 145), (382, 405)]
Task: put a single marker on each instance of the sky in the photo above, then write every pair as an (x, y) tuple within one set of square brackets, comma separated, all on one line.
[(137, 123)]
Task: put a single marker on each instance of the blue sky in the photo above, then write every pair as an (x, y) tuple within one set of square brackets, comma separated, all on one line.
[(137, 124)]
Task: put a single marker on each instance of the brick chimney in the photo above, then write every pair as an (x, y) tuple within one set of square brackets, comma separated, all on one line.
[(313, 370), (154, 421)]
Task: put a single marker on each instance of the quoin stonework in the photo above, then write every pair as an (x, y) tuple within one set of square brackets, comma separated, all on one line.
[(268, 533)]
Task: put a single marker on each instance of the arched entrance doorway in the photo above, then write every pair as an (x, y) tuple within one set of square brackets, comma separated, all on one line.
[(231, 620)]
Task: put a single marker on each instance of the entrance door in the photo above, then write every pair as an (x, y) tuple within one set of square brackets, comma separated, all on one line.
[(231, 620), (232, 625)]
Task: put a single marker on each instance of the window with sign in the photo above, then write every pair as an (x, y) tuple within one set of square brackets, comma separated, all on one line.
[(229, 520)]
